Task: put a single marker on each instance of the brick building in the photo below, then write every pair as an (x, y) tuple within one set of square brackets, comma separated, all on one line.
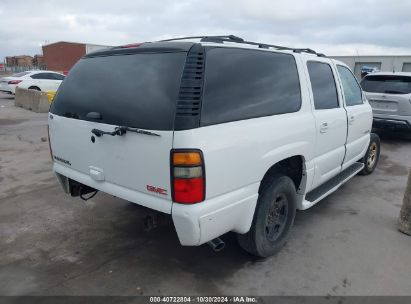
[(38, 61), (20, 61), (62, 55)]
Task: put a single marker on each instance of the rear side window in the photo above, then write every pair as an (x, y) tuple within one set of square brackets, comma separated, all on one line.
[(390, 84), (137, 90), (351, 89), (55, 76), (242, 84), (323, 85), (42, 76)]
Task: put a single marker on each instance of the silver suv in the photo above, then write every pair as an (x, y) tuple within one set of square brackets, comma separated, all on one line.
[(390, 97)]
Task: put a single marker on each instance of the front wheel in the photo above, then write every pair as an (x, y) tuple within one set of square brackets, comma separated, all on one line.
[(273, 217), (372, 156)]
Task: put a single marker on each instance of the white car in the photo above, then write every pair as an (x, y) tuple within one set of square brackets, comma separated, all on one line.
[(219, 133), (44, 81)]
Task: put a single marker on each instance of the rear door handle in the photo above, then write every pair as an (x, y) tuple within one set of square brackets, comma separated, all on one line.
[(351, 119), (324, 127)]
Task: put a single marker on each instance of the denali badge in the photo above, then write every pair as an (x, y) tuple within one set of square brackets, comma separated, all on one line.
[(157, 190), (62, 160)]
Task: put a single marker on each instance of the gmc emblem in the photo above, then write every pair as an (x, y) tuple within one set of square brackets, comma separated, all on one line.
[(156, 190)]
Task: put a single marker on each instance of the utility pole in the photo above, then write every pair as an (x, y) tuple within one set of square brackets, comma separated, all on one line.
[(404, 221)]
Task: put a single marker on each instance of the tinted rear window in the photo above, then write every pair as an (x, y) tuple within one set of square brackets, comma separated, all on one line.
[(138, 90), (323, 85), (242, 84), (390, 84)]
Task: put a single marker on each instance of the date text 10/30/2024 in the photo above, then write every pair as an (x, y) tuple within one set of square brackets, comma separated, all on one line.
[(203, 299)]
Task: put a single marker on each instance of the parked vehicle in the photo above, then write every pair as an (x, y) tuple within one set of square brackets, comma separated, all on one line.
[(390, 97), (220, 133), (34, 80)]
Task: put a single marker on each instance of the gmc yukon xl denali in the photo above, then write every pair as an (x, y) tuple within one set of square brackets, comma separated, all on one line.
[(220, 133)]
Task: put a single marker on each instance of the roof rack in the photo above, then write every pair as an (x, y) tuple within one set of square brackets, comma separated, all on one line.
[(236, 39), (213, 38)]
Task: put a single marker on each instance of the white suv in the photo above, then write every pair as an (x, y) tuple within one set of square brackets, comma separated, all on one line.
[(220, 133)]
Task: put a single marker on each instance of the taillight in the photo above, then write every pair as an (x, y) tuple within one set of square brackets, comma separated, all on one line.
[(14, 81), (48, 137), (187, 176)]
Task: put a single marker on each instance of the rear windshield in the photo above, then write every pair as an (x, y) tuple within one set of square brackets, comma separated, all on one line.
[(390, 84), (138, 90)]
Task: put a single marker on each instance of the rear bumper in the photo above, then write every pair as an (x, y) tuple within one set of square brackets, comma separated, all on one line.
[(143, 199), (8, 89), (392, 122), (199, 223), (195, 224)]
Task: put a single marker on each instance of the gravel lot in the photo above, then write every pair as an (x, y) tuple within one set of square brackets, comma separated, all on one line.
[(52, 244)]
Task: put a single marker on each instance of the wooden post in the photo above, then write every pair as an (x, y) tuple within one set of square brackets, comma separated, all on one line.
[(404, 221)]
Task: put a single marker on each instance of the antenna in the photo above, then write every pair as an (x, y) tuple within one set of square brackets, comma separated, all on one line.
[(357, 60), (358, 55), (393, 66)]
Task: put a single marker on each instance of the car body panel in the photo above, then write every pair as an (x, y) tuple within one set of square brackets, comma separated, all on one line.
[(390, 104), (359, 122), (115, 164), (10, 88), (251, 151), (5, 87), (197, 224), (330, 132), (43, 85)]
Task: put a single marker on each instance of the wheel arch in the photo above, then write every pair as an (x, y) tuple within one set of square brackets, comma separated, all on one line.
[(34, 87), (293, 167)]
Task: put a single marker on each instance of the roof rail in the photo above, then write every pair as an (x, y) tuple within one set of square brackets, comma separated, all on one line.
[(208, 38), (236, 39)]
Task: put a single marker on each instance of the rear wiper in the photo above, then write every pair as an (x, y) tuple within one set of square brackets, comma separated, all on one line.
[(120, 131)]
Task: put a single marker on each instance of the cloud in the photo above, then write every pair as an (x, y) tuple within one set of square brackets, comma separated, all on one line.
[(336, 27)]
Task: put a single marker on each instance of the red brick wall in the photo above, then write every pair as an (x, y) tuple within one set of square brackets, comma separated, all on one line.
[(61, 56)]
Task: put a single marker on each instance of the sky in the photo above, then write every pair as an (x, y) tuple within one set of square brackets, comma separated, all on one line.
[(334, 27)]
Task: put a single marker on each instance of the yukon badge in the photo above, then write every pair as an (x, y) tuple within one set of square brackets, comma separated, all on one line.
[(62, 160), (156, 190)]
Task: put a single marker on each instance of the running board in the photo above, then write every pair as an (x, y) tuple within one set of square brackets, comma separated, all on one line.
[(314, 196)]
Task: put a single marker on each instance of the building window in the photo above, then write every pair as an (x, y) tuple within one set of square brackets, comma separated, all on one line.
[(363, 68), (406, 67)]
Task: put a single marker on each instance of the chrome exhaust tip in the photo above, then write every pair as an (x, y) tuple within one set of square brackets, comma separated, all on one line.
[(216, 244)]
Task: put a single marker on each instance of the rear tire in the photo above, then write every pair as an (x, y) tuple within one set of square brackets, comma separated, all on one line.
[(35, 88), (370, 160), (273, 217)]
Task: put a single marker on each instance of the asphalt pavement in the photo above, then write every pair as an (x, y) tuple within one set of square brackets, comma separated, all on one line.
[(52, 244)]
